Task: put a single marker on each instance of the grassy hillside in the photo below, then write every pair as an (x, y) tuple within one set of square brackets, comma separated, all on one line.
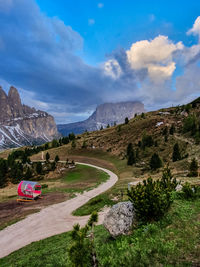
[(108, 147), (173, 241)]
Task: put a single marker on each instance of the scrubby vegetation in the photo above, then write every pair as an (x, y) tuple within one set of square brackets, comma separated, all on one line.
[(172, 241), (152, 199)]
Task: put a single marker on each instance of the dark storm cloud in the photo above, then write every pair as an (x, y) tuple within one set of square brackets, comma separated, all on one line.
[(38, 54)]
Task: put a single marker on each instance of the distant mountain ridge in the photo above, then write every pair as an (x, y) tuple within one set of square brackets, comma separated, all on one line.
[(22, 125), (108, 113)]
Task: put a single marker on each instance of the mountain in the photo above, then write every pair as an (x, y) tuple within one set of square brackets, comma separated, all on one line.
[(22, 125), (108, 113)]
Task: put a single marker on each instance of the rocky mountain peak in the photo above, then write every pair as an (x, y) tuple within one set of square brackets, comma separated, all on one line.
[(3, 95), (107, 113), (21, 124), (13, 96)]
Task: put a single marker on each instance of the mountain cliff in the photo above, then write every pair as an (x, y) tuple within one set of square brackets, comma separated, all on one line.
[(108, 113), (21, 125)]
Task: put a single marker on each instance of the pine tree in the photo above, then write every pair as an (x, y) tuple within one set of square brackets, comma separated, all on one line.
[(71, 136), (47, 156), (131, 158), (57, 158), (172, 129), (193, 168), (82, 248), (73, 144), (39, 167), (176, 153), (126, 120), (155, 162), (130, 154), (3, 172), (28, 173)]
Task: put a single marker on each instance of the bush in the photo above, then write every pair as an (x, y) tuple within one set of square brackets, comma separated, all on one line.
[(147, 141), (189, 192), (152, 199), (81, 252), (190, 124)]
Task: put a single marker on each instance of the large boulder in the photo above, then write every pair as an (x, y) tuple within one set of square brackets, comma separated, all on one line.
[(119, 219)]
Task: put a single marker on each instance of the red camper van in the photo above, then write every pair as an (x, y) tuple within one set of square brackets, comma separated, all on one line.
[(29, 190)]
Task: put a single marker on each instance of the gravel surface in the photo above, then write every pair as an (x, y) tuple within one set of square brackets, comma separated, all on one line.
[(52, 220)]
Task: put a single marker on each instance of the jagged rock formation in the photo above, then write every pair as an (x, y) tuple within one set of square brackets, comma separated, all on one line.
[(108, 113), (119, 219), (22, 125)]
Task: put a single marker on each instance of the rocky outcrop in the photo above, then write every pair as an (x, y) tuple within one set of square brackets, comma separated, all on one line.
[(22, 125), (119, 219), (108, 113)]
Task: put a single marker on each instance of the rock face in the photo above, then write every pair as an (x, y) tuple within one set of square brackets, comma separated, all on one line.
[(108, 113), (21, 125), (119, 219)]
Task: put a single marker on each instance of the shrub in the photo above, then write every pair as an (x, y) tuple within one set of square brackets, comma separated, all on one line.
[(152, 199), (147, 140), (44, 186), (155, 162), (81, 252), (189, 192), (190, 124)]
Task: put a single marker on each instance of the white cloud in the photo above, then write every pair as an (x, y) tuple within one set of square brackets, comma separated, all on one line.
[(112, 68), (100, 5), (195, 30), (91, 21), (156, 56)]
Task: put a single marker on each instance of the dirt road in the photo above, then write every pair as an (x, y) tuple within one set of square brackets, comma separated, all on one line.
[(52, 220)]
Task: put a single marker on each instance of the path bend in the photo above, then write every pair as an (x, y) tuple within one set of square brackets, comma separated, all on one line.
[(52, 220)]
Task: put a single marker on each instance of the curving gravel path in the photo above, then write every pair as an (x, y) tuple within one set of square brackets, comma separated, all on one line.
[(52, 220)]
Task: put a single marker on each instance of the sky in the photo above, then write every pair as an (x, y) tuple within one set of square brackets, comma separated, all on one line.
[(66, 57)]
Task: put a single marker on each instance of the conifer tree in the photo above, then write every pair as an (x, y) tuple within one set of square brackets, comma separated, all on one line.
[(155, 162), (39, 167), (176, 153), (126, 120), (47, 156), (193, 168), (57, 158)]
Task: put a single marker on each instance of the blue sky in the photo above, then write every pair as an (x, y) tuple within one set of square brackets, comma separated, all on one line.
[(122, 22), (66, 57)]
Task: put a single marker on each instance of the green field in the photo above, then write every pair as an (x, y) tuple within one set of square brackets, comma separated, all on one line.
[(173, 241), (79, 179)]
